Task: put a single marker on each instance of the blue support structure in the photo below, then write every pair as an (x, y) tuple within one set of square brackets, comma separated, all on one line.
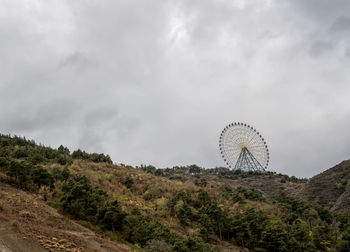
[(246, 161)]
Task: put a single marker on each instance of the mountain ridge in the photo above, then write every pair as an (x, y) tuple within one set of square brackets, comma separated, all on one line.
[(184, 208)]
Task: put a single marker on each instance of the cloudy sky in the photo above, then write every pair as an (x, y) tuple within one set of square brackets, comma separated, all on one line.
[(155, 82)]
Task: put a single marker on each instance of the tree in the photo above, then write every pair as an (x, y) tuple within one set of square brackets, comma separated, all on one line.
[(41, 177), (344, 244), (3, 163), (149, 168), (194, 169), (203, 198), (81, 199), (65, 174), (274, 237), (240, 230), (111, 216), (141, 229), (63, 150), (183, 212), (20, 153), (18, 171), (256, 223), (226, 191), (300, 236), (217, 216), (56, 174), (36, 158)]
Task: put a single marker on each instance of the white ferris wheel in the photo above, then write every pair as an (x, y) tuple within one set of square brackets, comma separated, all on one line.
[(243, 147)]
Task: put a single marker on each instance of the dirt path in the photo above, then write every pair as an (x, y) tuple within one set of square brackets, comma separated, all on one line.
[(11, 242)]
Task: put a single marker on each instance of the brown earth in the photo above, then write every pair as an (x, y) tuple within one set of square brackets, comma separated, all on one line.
[(330, 188), (268, 183), (28, 224)]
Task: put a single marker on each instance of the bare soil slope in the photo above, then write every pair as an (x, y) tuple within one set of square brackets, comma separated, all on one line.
[(28, 224)]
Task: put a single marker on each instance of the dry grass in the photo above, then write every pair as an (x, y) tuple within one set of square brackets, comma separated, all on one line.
[(151, 194), (29, 224)]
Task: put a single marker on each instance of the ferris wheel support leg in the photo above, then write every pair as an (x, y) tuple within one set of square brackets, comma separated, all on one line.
[(237, 166), (250, 163), (256, 162)]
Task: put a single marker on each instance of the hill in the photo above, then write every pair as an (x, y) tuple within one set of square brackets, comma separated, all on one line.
[(330, 188), (270, 183), (148, 209), (28, 224)]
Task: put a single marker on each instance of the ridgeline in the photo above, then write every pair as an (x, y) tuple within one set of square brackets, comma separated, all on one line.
[(57, 200)]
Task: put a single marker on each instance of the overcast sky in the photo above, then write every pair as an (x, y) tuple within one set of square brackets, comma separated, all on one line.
[(155, 82)]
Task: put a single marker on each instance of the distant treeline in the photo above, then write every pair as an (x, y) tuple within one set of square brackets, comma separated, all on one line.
[(21, 148), (221, 172)]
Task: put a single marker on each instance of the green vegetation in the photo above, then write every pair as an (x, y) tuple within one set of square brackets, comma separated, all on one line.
[(151, 209), (94, 157), (20, 148), (177, 171)]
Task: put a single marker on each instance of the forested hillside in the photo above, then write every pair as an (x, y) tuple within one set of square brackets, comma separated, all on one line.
[(174, 209), (330, 188)]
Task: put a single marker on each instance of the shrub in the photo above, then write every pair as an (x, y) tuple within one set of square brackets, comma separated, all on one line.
[(36, 158), (41, 177), (20, 153), (158, 246), (128, 182), (3, 163), (81, 200), (141, 229), (111, 216)]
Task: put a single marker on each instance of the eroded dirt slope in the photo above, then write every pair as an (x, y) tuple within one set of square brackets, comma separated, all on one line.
[(28, 224)]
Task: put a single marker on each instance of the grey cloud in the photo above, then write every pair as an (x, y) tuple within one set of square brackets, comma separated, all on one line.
[(48, 115), (319, 48), (103, 126), (156, 81), (341, 24), (78, 60)]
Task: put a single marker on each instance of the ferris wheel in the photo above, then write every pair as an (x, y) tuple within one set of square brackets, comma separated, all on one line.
[(242, 147)]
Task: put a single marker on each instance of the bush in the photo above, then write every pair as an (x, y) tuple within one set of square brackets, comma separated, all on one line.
[(41, 177), (36, 158), (275, 237), (202, 182), (95, 157), (158, 246), (20, 153), (3, 163), (141, 229), (128, 182), (111, 216), (56, 173), (81, 199), (65, 174), (183, 212)]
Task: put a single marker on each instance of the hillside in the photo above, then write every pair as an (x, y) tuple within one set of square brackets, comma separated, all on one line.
[(330, 188), (148, 209), (270, 183), (28, 224)]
